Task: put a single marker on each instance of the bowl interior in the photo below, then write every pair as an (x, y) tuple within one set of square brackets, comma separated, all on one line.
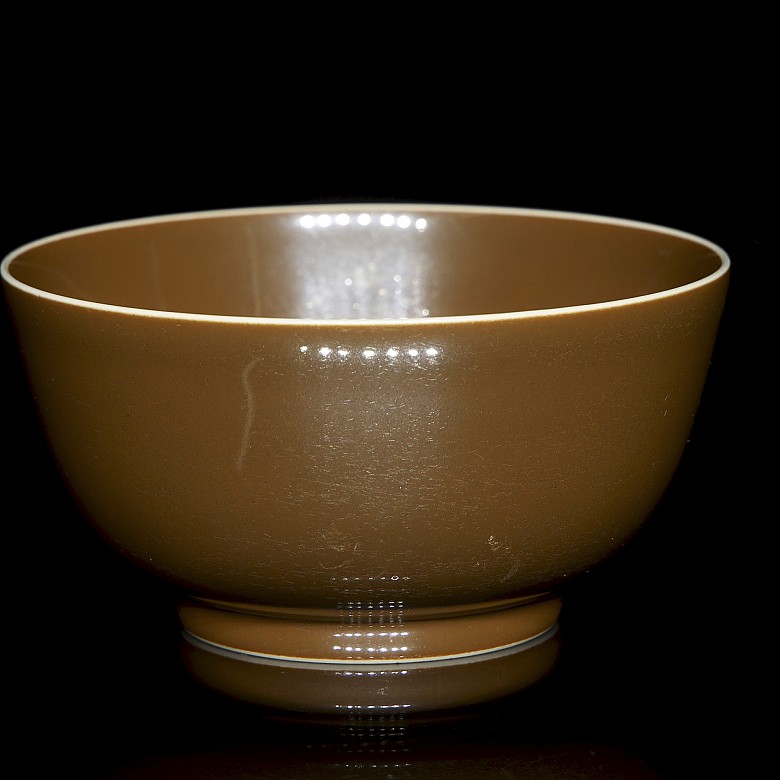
[(363, 262)]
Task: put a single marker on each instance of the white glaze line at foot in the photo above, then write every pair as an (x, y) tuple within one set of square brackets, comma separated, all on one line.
[(377, 665)]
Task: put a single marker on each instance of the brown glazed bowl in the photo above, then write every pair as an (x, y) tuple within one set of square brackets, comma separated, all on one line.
[(367, 440)]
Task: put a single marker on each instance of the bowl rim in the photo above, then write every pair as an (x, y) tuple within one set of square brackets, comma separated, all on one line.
[(330, 208)]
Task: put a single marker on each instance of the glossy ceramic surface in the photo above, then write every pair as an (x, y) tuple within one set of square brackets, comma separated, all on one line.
[(367, 418)]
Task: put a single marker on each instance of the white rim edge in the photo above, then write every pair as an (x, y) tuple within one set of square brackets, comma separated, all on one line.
[(319, 663), (362, 322)]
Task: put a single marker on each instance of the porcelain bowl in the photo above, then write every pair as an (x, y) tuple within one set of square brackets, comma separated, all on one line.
[(367, 436)]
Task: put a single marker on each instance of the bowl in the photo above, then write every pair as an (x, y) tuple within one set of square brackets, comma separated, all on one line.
[(367, 437)]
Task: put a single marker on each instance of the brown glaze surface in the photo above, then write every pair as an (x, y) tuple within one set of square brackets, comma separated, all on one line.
[(272, 407)]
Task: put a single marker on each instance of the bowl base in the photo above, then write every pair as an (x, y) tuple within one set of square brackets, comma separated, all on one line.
[(334, 661)]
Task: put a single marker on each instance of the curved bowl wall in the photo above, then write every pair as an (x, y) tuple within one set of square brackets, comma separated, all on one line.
[(414, 405)]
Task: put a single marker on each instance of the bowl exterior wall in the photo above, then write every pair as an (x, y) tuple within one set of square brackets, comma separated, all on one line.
[(396, 464)]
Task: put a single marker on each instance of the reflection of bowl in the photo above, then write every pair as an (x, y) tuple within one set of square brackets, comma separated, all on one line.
[(367, 434), (472, 743), (357, 689)]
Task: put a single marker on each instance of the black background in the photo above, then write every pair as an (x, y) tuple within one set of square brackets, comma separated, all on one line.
[(666, 650)]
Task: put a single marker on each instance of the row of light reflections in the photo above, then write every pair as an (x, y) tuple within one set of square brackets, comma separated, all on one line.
[(372, 642), (357, 641), (414, 353), (364, 219)]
